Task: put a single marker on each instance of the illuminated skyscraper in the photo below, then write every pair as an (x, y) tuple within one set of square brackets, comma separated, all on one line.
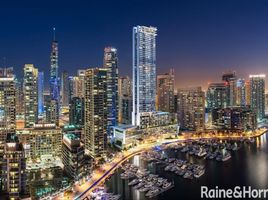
[(96, 111), (7, 103), (15, 168), (257, 95), (241, 92), (191, 108), (230, 79), (54, 77), (73, 156), (65, 89), (165, 92), (247, 92), (125, 100), (76, 111), (30, 88), (216, 96), (144, 71), (40, 94), (110, 62)]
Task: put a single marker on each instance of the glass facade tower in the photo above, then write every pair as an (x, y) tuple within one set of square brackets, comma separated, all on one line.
[(144, 71)]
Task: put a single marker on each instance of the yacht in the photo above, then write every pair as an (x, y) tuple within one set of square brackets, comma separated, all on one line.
[(166, 185), (139, 185), (152, 192), (188, 175), (133, 182), (226, 156), (199, 173), (202, 153)]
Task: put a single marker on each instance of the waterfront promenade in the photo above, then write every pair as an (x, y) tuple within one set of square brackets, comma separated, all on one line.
[(100, 175)]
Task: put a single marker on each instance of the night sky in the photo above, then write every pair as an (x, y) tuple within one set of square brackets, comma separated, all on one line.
[(200, 39)]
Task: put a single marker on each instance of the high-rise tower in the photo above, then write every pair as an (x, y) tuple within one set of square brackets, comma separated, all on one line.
[(257, 95), (54, 81), (110, 63), (144, 71), (30, 87)]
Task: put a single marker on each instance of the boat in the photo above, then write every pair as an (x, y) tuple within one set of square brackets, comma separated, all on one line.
[(133, 182), (185, 149), (167, 168), (234, 147), (199, 173), (226, 156), (139, 185), (166, 185), (188, 175), (153, 192), (202, 153), (144, 189)]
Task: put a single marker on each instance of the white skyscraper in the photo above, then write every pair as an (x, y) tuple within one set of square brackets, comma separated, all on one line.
[(144, 71)]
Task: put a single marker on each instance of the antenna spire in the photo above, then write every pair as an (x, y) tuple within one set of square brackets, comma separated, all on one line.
[(54, 34)]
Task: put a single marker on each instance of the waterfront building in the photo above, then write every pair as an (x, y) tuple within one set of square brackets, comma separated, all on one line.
[(76, 111), (54, 81), (257, 95), (191, 108), (234, 119), (96, 111), (30, 88), (125, 100), (73, 156), (144, 71), (165, 92), (7, 103), (216, 96), (110, 62)]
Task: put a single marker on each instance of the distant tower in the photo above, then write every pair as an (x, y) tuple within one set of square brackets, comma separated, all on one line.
[(40, 94), (257, 95), (30, 87), (54, 76), (165, 92), (110, 63), (65, 89), (144, 71), (7, 103)]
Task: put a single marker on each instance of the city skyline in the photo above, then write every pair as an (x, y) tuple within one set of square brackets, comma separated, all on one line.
[(102, 112), (198, 47)]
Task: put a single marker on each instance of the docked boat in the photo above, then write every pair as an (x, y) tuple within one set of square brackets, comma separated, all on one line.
[(139, 185), (144, 189), (185, 149), (226, 156), (153, 192), (199, 173), (166, 185), (188, 175), (202, 153), (133, 182)]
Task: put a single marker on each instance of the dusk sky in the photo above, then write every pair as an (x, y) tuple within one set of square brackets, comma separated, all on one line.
[(200, 39)]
